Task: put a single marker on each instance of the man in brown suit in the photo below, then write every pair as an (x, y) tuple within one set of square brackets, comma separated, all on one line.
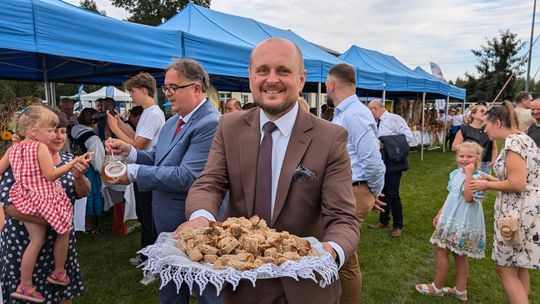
[(309, 179)]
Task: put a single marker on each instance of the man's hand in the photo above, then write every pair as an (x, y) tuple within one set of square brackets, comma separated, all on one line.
[(197, 222), (329, 249), (117, 147), (112, 121), (378, 206), (122, 180)]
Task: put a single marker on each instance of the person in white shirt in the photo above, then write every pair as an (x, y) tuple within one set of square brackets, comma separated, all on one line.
[(141, 88), (523, 110), (391, 124)]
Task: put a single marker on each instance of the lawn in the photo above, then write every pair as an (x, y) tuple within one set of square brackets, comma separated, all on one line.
[(390, 267)]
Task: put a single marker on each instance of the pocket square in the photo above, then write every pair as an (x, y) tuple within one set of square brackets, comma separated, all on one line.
[(303, 174)]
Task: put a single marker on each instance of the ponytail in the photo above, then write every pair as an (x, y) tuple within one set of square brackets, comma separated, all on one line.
[(504, 113), (511, 114)]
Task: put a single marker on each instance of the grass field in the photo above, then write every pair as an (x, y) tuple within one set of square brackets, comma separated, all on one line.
[(391, 267)]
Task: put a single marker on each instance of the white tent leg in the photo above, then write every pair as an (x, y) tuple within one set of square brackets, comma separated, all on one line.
[(444, 129), (318, 102), (422, 130)]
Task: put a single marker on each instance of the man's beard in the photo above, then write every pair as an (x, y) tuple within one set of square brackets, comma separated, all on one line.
[(276, 109)]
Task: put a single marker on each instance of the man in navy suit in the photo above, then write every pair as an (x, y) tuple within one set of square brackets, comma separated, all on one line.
[(178, 157)]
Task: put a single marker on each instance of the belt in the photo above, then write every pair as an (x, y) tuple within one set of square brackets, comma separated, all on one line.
[(363, 182)]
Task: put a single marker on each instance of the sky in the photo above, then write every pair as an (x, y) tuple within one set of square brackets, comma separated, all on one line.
[(414, 31)]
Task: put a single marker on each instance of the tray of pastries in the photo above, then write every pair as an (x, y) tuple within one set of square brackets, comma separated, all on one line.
[(242, 244), (236, 249)]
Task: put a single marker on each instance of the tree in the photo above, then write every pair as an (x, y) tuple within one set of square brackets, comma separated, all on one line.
[(91, 6), (154, 12), (497, 61)]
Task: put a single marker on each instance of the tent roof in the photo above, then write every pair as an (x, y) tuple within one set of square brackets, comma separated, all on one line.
[(71, 43), (116, 94), (223, 42), (453, 91)]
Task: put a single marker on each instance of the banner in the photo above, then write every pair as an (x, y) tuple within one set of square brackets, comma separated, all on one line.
[(436, 71)]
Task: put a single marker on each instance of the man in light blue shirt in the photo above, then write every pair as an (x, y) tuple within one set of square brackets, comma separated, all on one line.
[(366, 162)]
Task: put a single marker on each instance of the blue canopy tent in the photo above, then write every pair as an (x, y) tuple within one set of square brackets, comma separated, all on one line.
[(53, 41), (223, 43), (453, 91), (398, 77)]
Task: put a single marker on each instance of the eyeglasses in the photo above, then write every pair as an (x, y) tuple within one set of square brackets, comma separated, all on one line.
[(171, 88)]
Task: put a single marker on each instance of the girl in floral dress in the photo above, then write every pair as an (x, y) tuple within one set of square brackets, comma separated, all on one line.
[(37, 192), (459, 225), (518, 185)]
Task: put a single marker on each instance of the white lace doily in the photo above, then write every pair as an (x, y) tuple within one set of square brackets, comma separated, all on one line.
[(170, 263)]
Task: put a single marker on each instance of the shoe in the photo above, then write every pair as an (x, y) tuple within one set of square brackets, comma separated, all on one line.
[(149, 279), (29, 294), (460, 295), (378, 226), (137, 260), (395, 233), (59, 278), (424, 290)]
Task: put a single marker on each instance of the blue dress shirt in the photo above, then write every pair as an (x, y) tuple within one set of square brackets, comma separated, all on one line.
[(363, 145)]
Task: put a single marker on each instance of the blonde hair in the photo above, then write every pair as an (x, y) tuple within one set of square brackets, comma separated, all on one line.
[(477, 149), (34, 116), (303, 104)]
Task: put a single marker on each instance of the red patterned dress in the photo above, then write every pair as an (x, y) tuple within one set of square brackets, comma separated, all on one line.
[(33, 194)]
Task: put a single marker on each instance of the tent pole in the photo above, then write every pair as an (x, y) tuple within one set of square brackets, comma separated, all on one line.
[(318, 104), (445, 118), (384, 97), (46, 81), (52, 91), (422, 131)]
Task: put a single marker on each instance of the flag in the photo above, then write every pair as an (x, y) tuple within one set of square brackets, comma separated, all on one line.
[(436, 71), (109, 92)]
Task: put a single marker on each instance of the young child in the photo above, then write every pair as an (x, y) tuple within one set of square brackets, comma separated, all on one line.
[(37, 191), (460, 227)]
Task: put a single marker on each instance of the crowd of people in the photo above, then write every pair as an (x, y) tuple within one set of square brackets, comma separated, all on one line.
[(302, 174)]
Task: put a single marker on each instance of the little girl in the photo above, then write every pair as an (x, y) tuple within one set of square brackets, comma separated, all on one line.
[(37, 191), (460, 227)]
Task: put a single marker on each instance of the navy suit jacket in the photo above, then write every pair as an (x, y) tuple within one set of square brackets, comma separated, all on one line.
[(174, 164)]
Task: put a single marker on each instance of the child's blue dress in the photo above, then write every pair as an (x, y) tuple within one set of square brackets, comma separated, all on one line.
[(461, 227)]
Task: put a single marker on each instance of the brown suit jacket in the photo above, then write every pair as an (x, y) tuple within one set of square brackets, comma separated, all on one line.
[(323, 207)]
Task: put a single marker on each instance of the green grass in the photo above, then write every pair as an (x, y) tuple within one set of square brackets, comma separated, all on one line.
[(390, 267)]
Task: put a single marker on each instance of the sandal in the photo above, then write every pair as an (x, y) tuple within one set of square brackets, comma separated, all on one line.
[(59, 278), (24, 293), (453, 291), (424, 290)]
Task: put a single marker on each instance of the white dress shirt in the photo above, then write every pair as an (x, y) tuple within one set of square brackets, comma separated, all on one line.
[(393, 124)]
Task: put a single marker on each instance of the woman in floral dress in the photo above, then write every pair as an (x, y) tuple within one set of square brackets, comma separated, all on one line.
[(518, 182)]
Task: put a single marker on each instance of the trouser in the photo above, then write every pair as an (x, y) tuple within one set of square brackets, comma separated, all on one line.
[(169, 295), (392, 200), (143, 205), (350, 276)]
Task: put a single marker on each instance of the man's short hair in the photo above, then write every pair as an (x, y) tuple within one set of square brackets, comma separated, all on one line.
[(192, 71), (63, 100), (520, 96), (136, 111), (343, 73), (142, 80), (249, 105), (301, 65), (237, 103)]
